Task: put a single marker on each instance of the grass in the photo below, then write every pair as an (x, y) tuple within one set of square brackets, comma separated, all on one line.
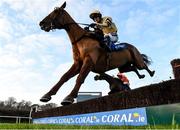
[(47, 126)]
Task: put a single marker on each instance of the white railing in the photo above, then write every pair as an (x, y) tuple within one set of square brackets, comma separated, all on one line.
[(34, 107), (18, 118)]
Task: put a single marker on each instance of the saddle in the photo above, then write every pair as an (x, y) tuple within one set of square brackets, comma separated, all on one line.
[(99, 36), (95, 34)]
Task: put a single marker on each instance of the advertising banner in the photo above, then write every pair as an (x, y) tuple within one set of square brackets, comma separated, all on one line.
[(164, 114), (134, 117)]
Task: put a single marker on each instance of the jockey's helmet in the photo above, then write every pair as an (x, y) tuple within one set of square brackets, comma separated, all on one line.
[(95, 13)]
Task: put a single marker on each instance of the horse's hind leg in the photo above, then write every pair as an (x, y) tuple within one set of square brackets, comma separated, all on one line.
[(138, 74), (131, 67), (98, 77), (151, 73)]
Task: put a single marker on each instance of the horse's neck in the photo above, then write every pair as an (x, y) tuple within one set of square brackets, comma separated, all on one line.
[(75, 32)]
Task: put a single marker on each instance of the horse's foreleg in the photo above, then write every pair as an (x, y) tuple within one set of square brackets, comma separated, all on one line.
[(86, 68), (75, 68)]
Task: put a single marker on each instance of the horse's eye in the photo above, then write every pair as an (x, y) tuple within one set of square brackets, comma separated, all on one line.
[(56, 9)]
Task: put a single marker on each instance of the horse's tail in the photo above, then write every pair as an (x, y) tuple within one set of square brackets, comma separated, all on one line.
[(146, 59)]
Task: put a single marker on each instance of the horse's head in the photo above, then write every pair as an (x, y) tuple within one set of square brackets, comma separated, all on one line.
[(54, 20)]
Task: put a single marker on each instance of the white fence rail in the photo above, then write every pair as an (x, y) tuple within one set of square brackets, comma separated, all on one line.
[(34, 108), (17, 118)]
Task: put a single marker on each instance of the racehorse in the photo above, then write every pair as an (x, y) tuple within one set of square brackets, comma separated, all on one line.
[(115, 84), (88, 55)]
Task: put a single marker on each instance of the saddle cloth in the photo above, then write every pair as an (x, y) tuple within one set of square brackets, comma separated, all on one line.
[(118, 46)]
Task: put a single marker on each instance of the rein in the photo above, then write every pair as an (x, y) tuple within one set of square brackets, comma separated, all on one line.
[(85, 24), (52, 26), (65, 26), (83, 35)]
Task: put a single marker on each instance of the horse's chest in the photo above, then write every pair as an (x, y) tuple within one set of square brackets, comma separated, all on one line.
[(78, 53)]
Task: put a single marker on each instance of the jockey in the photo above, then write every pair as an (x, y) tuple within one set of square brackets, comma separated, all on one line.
[(107, 26), (124, 79)]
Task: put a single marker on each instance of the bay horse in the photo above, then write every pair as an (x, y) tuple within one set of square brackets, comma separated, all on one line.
[(88, 55), (115, 84)]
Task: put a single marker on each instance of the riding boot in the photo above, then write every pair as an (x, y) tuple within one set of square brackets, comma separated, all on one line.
[(112, 46), (107, 43)]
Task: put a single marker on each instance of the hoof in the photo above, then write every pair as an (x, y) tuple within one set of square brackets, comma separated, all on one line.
[(96, 77), (141, 76), (128, 88), (152, 73), (110, 93), (45, 98), (67, 101), (113, 91)]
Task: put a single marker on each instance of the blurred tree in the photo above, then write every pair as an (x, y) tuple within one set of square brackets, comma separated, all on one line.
[(48, 106), (11, 103), (2, 105), (23, 105)]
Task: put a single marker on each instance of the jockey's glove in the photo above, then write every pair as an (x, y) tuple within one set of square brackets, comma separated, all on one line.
[(92, 25), (86, 28)]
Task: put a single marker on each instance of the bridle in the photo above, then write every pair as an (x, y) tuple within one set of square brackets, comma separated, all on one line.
[(53, 20), (54, 25)]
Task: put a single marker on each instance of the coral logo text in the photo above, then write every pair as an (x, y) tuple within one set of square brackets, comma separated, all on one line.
[(135, 117)]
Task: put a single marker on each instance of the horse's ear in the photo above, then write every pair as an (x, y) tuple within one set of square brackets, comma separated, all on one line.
[(63, 5)]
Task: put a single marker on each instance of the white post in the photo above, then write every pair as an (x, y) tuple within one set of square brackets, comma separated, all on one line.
[(30, 113), (16, 120)]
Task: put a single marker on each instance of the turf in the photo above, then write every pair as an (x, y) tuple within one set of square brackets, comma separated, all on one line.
[(47, 126)]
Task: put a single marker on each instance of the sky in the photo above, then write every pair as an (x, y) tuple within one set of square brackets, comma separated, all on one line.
[(32, 61)]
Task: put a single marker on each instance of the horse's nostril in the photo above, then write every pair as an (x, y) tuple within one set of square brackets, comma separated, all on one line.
[(42, 27), (41, 23)]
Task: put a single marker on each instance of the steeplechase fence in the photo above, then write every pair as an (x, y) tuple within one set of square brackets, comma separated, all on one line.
[(152, 104), (140, 106)]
